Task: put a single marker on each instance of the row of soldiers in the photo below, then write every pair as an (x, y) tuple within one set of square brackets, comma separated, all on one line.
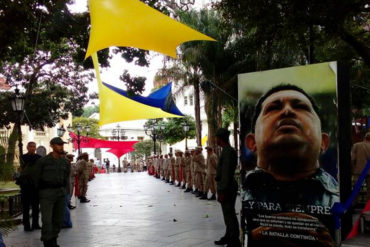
[(135, 166), (191, 171)]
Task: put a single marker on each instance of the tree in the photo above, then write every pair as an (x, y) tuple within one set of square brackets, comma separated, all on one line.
[(302, 21), (89, 110), (174, 129), (92, 123), (144, 149), (217, 62)]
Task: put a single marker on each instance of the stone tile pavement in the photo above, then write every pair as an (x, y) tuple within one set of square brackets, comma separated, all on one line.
[(134, 209)]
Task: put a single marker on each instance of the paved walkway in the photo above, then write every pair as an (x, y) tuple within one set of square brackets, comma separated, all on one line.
[(134, 209)]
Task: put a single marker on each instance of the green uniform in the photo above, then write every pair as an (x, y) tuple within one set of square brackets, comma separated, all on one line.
[(52, 180), (227, 185)]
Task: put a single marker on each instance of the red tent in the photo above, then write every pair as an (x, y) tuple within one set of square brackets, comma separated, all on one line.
[(88, 142)]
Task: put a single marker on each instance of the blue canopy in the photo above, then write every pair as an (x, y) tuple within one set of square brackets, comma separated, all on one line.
[(161, 98)]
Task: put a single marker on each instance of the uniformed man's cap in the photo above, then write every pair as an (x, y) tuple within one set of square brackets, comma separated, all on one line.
[(209, 147), (70, 155), (57, 140), (199, 148), (178, 151), (223, 133)]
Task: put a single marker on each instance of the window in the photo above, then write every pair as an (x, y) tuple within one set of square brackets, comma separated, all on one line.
[(185, 100), (140, 138), (40, 133), (191, 101)]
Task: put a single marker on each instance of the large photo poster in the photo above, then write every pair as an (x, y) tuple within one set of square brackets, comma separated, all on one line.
[(288, 124)]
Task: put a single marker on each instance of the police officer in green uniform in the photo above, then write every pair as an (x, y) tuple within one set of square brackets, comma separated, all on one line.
[(227, 188), (51, 177)]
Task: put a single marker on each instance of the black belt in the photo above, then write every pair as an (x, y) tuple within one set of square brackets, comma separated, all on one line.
[(51, 186)]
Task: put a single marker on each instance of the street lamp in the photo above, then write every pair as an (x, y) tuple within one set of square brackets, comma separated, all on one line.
[(17, 102), (120, 133), (60, 131), (186, 129), (79, 138), (155, 131)]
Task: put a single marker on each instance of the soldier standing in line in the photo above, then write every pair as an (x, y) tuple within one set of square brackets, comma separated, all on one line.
[(182, 170), (173, 174), (124, 164), (193, 174), (188, 180), (72, 179), (211, 172), (177, 167), (199, 164), (51, 176), (165, 167), (83, 172)]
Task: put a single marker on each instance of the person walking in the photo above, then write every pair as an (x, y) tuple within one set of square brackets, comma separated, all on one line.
[(51, 176), (29, 193), (227, 188)]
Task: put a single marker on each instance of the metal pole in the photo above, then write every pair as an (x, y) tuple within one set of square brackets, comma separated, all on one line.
[(78, 143), (20, 144), (154, 140), (186, 141)]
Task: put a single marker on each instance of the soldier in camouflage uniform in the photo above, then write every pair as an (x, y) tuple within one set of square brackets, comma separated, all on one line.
[(199, 166), (211, 172), (188, 178), (51, 177), (83, 171)]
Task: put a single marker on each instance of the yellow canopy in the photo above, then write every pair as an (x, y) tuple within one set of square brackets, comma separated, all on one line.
[(132, 23), (116, 108)]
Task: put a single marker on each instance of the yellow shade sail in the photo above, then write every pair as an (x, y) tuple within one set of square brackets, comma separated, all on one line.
[(132, 23), (116, 108)]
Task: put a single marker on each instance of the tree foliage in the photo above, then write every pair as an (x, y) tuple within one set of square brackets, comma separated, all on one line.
[(144, 149), (89, 110), (300, 22), (92, 123), (174, 129)]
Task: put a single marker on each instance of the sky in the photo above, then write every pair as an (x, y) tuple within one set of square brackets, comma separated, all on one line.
[(118, 65)]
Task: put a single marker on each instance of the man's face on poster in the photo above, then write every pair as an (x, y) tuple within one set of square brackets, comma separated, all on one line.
[(287, 128)]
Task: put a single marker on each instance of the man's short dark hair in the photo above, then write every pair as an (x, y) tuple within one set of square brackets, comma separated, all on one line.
[(281, 87)]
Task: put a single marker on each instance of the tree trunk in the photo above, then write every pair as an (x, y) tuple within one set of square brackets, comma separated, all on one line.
[(198, 123), (212, 118), (8, 168)]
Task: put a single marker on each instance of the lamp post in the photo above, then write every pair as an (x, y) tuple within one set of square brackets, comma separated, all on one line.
[(17, 102), (60, 131), (79, 128), (119, 132), (186, 129), (120, 135)]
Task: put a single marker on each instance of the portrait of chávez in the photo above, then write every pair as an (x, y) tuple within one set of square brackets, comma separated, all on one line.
[(287, 198)]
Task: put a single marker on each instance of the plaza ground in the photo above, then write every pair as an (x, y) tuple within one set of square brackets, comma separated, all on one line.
[(134, 209)]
